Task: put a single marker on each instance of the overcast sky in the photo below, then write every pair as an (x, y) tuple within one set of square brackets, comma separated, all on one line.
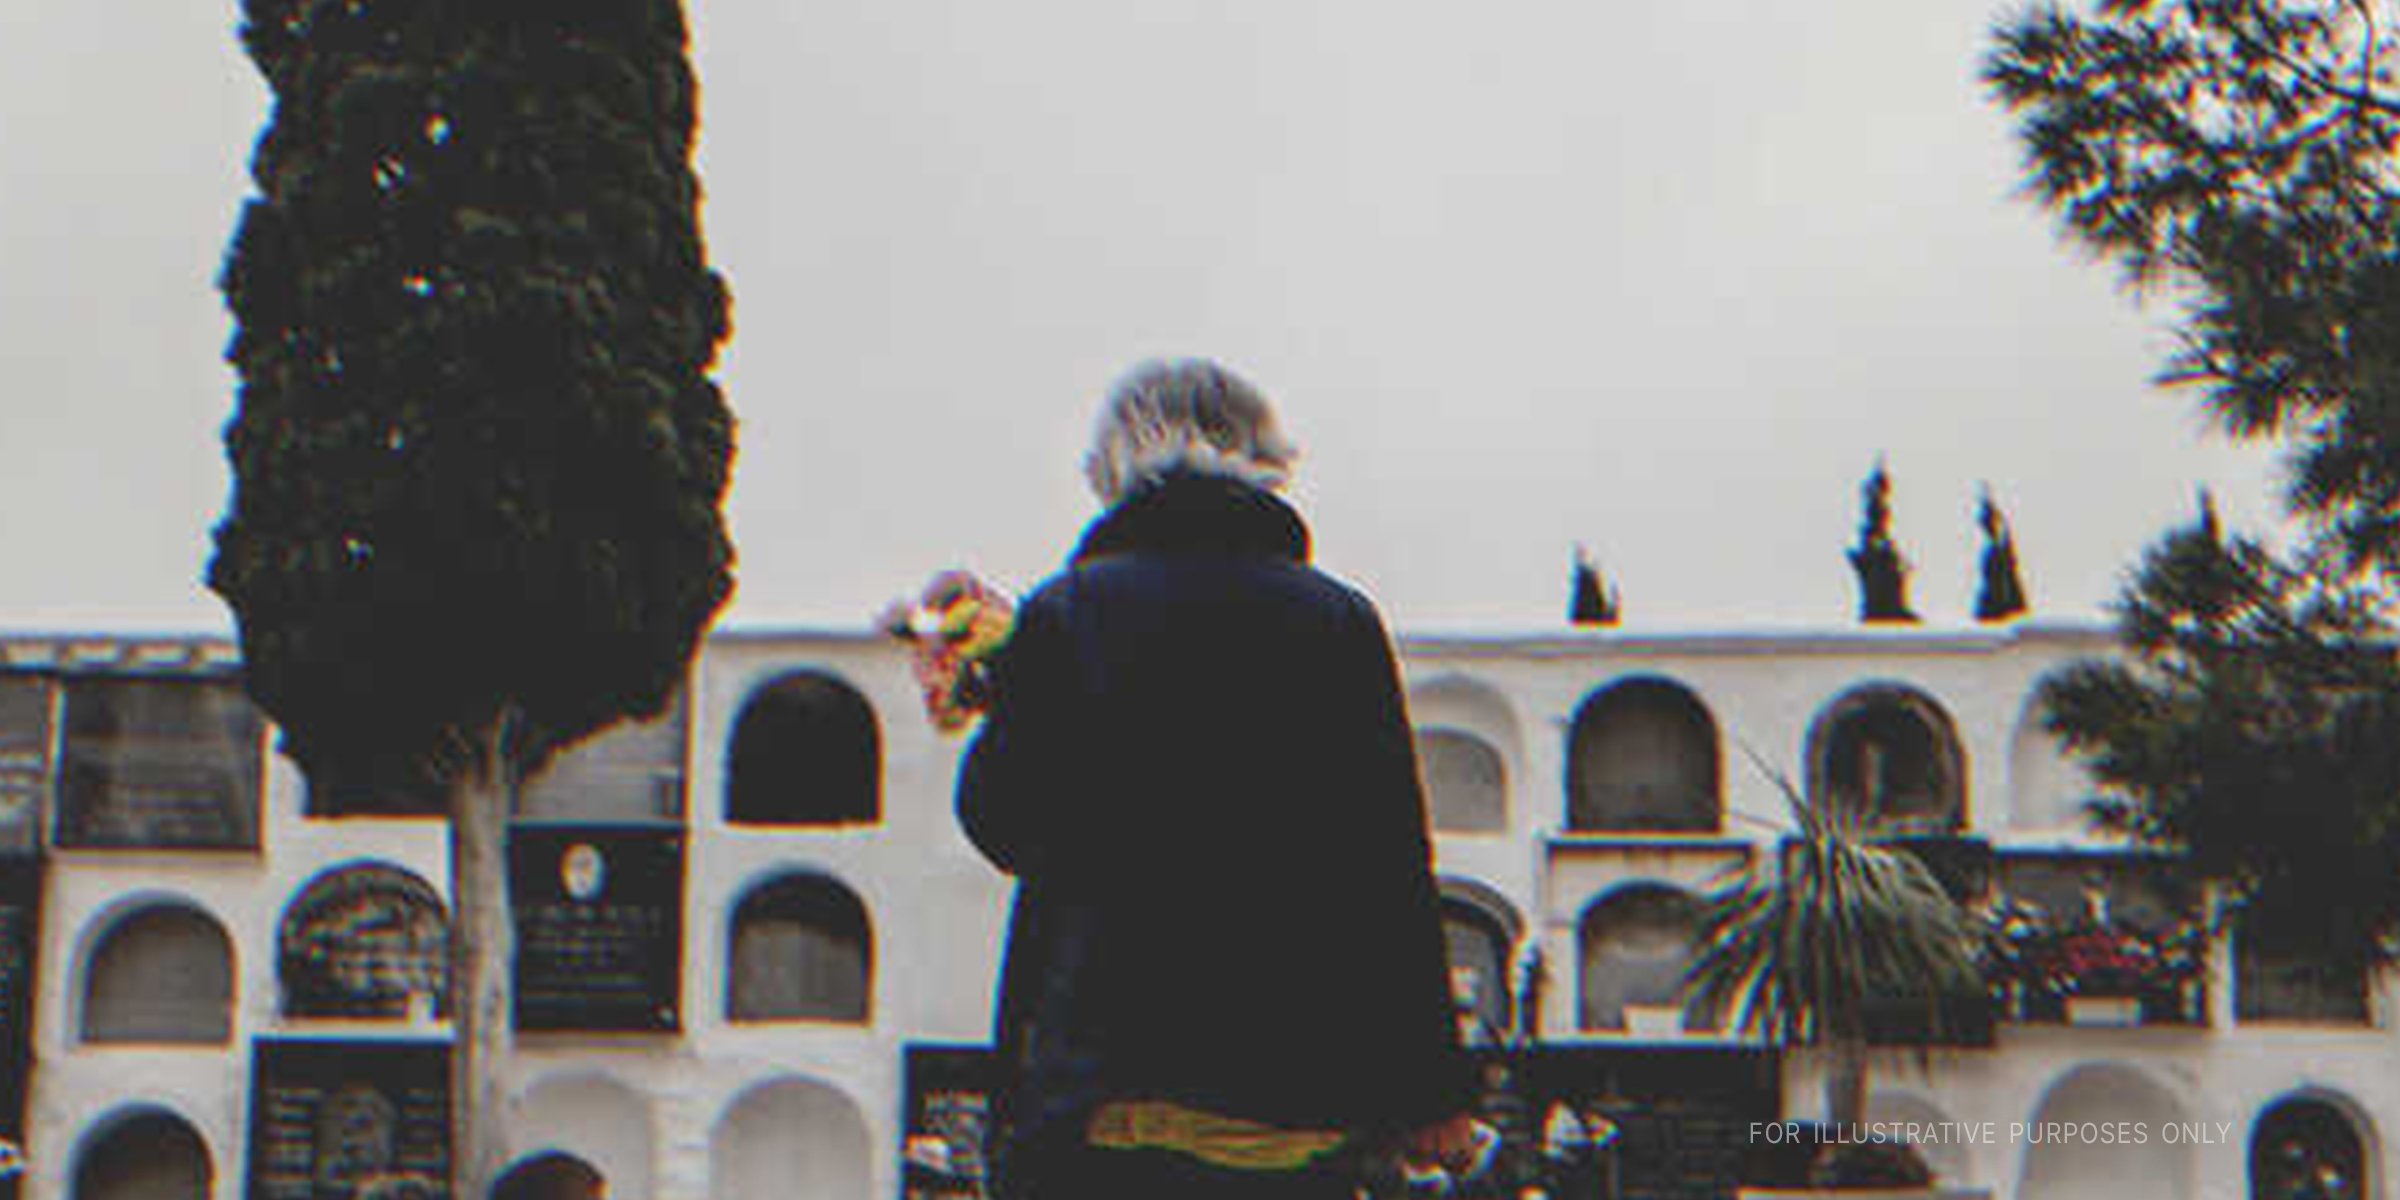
[(1660, 278)]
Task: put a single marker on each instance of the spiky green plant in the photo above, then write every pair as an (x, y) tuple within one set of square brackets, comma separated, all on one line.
[(1801, 946)]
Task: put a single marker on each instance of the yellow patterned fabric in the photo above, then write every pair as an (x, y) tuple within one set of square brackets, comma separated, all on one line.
[(1222, 1141)]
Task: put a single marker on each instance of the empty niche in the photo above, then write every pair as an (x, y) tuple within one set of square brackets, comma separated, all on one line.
[(1889, 755), (801, 949), (1466, 781), (2105, 1094), (1467, 742), (161, 973), (806, 750), (1636, 944), (790, 1138), (1643, 758), (591, 1127), (148, 1154)]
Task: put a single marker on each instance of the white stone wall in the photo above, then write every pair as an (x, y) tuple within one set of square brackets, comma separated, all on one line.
[(77, 1088), (725, 1110)]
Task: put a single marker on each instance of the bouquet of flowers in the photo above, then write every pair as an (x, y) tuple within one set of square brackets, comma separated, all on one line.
[(953, 629), (2102, 960), (2090, 957)]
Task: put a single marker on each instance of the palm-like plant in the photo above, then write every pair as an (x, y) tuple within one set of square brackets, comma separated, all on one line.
[(1804, 942)]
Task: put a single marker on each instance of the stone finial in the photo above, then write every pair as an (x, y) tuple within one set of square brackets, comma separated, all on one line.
[(1594, 599), (1882, 572), (2002, 593)]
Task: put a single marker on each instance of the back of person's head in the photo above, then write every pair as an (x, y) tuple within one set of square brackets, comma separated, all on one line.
[(1185, 416)]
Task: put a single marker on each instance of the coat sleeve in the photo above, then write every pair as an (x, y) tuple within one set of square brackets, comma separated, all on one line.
[(1015, 773), (1425, 1027)]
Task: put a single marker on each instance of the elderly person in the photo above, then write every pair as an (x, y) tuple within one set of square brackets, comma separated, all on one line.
[(1226, 974)]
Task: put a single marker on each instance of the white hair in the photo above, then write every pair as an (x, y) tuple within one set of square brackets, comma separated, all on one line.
[(1189, 415)]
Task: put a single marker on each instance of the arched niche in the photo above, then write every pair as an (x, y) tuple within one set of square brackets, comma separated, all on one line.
[(2047, 788), (790, 1137), (1890, 755), (1643, 758), (1454, 701), (2311, 1147), (806, 750), (159, 972), (364, 940), (801, 948), (1635, 945), (552, 1175), (596, 1121), (1481, 930), (143, 1154), (2076, 1169), (1466, 781)]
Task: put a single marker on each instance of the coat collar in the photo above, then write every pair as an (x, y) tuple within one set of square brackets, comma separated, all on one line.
[(1198, 514)]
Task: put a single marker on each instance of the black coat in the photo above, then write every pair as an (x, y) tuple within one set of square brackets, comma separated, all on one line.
[(1199, 766)]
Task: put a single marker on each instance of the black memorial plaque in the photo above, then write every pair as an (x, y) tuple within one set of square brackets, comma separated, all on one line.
[(26, 705), (20, 929), (949, 1090), (160, 763), (337, 1120), (599, 920)]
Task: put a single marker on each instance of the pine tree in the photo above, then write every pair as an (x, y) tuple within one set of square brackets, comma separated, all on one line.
[(2239, 154), (2255, 726), (478, 462), (2236, 155)]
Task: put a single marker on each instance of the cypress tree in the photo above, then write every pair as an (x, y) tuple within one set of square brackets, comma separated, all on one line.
[(478, 461)]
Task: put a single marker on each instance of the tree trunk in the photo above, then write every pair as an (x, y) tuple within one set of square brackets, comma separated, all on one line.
[(1846, 1088), (482, 940)]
